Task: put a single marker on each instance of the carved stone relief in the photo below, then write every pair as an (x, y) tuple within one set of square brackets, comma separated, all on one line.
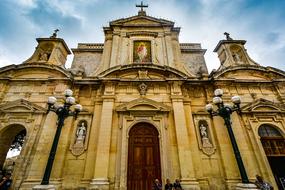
[(43, 56), (143, 74), (142, 89)]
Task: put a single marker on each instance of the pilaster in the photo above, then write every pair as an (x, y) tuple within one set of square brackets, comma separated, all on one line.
[(100, 179), (169, 51), (107, 52), (92, 147), (183, 142), (115, 47)]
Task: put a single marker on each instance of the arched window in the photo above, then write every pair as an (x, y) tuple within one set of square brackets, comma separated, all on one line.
[(272, 140), (268, 131), (12, 139)]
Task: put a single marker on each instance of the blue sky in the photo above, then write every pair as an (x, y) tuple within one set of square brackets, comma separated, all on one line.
[(260, 22)]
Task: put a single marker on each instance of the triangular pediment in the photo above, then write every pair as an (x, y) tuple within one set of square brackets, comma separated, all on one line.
[(140, 20), (263, 105), (143, 104), (21, 106)]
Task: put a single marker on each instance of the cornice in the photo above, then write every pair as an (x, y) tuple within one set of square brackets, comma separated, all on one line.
[(15, 68), (142, 33), (217, 74)]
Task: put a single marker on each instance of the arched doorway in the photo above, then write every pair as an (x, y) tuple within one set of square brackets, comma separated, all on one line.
[(11, 142), (273, 143), (143, 157)]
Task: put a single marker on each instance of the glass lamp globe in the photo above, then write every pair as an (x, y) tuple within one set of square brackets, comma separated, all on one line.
[(68, 92), (217, 100), (209, 107), (236, 99), (227, 106), (70, 100), (51, 100), (78, 107), (218, 92)]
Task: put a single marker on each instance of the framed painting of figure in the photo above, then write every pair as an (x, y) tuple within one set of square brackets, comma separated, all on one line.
[(142, 52)]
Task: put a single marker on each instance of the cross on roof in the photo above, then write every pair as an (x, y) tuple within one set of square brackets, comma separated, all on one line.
[(141, 6)]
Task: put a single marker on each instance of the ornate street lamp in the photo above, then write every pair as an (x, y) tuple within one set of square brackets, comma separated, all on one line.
[(225, 111), (62, 112)]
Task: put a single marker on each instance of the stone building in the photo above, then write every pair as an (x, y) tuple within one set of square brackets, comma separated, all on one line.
[(143, 95)]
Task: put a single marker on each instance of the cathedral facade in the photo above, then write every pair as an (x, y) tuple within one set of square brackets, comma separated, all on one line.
[(143, 95)]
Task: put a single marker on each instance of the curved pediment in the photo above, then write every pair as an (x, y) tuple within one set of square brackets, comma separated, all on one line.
[(263, 105), (143, 104), (34, 71), (21, 106), (249, 72), (143, 72)]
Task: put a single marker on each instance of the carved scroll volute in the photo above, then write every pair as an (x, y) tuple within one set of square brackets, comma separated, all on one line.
[(78, 146), (205, 138)]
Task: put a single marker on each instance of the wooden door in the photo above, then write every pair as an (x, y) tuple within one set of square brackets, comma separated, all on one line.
[(143, 157)]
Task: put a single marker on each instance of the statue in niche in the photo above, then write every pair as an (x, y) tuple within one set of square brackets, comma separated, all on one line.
[(237, 57), (81, 132), (203, 131), (203, 126), (80, 136)]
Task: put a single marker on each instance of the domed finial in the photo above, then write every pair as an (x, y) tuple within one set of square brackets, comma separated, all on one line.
[(54, 34), (228, 36)]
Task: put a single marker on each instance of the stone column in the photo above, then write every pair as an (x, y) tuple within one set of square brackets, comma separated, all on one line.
[(100, 179), (183, 143)]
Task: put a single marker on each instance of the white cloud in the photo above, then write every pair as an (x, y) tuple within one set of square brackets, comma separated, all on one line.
[(26, 3)]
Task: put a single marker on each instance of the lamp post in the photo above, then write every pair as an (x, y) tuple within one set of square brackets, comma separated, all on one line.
[(62, 112), (225, 111)]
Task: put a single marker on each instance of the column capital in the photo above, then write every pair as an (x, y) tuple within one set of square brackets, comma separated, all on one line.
[(108, 98), (177, 98)]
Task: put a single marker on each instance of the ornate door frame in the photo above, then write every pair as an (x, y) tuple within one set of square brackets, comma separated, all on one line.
[(137, 111), (144, 163)]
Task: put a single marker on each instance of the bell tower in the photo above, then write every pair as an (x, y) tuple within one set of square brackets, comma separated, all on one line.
[(50, 50), (232, 52)]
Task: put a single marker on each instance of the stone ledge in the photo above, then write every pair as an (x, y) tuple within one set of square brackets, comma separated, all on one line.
[(246, 186), (44, 187)]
